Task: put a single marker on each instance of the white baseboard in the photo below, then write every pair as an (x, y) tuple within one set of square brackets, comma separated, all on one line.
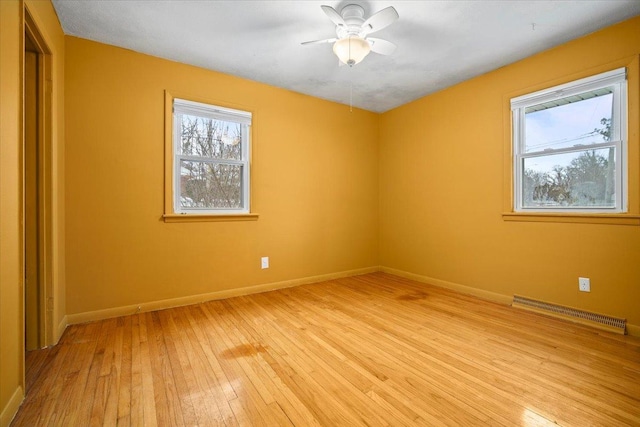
[(11, 408), (108, 313), (480, 293)]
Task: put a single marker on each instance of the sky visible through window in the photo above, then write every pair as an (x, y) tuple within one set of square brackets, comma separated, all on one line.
[(565, 126)]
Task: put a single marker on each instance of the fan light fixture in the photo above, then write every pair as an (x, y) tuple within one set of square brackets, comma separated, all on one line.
[(351, 50)]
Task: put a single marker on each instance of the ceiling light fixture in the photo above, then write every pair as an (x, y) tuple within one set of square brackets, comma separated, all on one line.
[(353, 43), (351, 50)]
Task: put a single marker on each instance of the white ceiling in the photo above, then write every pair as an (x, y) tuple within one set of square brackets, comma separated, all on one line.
[(440, 43)]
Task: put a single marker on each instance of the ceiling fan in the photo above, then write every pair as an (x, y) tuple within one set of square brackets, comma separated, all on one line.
[(353, 43)]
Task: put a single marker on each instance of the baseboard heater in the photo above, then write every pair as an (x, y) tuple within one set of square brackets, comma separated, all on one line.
[(600, 321)]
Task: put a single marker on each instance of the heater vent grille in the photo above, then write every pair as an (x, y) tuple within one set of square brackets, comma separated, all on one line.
[(608, 322)]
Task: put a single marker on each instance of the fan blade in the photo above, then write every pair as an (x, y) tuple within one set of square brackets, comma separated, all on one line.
[(380, 46), (321, 41), (333, 15), (380, 20)]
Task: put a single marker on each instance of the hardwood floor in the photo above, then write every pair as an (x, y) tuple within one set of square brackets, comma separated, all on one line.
[(372, 350)]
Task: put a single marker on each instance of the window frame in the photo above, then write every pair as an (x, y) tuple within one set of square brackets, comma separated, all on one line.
[(174, 105), (618, 80)]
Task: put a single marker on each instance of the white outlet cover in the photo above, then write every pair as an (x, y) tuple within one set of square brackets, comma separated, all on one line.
[(265, 262), (584, 284)]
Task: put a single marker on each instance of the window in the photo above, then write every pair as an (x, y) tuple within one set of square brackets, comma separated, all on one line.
[(210, 147), (569, 145)]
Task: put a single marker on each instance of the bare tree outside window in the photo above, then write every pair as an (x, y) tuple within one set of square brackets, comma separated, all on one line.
[(211, 166), (205, 184), (569, 146), (583, 179)]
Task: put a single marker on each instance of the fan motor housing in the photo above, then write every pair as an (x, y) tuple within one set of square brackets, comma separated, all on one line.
[(353, 16)]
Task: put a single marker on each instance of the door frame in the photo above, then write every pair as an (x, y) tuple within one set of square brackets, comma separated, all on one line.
[(44, 175)]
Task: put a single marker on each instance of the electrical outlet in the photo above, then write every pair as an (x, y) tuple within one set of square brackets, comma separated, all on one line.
[(584, 284), (265, 262)]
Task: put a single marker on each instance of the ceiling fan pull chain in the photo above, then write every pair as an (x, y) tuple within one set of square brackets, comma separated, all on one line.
[(351, 97)]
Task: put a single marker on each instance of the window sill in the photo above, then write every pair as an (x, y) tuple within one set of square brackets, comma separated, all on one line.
[(612, 219), (210, 217)]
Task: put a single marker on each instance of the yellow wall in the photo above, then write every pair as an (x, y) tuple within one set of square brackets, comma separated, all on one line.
[(10, 256), (314, 184), (11, 267), (419, 189), (442, 176)]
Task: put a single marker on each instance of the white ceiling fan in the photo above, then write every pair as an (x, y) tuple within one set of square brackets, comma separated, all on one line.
[(353, 43)]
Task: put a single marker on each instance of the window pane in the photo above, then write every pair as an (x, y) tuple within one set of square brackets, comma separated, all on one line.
[(210, 185), (569, 122), (201, 136), (582, 179)]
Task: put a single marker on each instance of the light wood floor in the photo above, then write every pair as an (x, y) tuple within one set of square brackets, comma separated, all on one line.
[(372, 350)]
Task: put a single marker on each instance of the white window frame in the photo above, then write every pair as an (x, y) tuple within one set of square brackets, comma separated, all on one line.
[(183, 106), (617, 79)]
